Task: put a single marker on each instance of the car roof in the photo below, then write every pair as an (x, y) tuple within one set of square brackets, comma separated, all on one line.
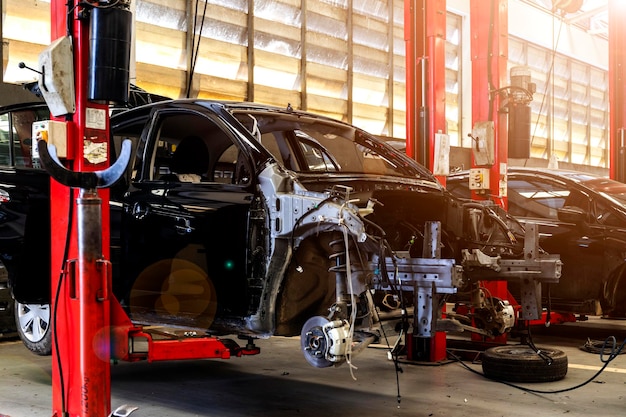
[(593, 182), (563, 174), (558, 174)]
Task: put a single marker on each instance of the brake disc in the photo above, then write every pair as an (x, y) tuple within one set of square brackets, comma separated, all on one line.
[(314, 342)]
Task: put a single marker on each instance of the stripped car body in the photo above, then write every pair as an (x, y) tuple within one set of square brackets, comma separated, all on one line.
[(238, 218)]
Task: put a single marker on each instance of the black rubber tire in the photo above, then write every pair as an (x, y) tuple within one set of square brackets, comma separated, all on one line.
[(33, 327), (520, 363)]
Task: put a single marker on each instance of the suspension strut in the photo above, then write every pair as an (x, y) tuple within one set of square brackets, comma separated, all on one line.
[(339, 257)]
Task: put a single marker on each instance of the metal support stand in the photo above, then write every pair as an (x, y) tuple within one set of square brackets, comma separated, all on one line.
[(427, 278)]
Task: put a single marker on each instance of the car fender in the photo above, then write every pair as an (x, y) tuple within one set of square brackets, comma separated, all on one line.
[(296, 214)]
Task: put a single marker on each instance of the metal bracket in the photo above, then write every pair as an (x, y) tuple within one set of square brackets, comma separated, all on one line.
[(535, 268), (84, 180)]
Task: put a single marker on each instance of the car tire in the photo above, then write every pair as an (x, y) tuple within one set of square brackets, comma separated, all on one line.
[(521, 363), (33, 327)]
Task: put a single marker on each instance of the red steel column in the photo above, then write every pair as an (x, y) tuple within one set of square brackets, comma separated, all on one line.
[(412, 85), (617, 89), (489, 48), (80, 322), (425, 36)]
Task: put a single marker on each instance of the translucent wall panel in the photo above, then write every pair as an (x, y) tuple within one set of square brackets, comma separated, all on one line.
[(342, 58), (570, 107)]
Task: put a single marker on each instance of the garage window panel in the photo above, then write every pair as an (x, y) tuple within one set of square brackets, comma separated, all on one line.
[(598, 98), (333, 84), (561, 69), (325, 50), (370, 90), (559, 88), (328, 106), (539, 144), (323, 18), (277, 71), (599, 79), (369, 124), (453, 64), (561, 151), (283, 40), (165, 14), (580, 94), (283, 12), (561, 110), (597, 137), (370, 62), (371, 32), (579, 115), (162, 47), (561, 131), (539, 125), (538, 59), (572, 96), (517, 52), (598, 119), (579, 154), (17, 22)]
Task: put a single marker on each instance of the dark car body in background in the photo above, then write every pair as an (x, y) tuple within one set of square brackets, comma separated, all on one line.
[(581, 217)]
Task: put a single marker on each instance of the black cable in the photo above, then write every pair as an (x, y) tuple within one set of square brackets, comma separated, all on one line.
[(396, 362), (195, 46), (543, 100), (66, 249), (547, 359), (614, 352)]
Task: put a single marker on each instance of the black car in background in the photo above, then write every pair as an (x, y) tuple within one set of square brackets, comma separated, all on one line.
[(582, 217)]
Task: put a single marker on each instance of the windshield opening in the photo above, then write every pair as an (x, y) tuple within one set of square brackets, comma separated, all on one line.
[(307, 144)]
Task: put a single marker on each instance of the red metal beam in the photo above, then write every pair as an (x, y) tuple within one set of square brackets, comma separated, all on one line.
[(489, 48), (425, 36), (80, 295), (617, 89)]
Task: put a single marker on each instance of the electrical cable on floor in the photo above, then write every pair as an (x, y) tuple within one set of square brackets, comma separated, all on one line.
[(393, 352), (596, 346), (393, 355), (614, 352), (547, 359)]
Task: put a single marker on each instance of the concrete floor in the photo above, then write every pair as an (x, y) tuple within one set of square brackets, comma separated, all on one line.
[(279, 382)]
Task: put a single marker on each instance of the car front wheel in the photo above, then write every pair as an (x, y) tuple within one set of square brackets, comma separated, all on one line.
[(33, 327)]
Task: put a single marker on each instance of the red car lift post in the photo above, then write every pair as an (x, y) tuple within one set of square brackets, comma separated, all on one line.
[(89, 326), (489, 50), (81, 293), (617, 90), (425, 41)]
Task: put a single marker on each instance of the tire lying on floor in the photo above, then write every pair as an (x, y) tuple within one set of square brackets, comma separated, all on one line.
[(521, 363)]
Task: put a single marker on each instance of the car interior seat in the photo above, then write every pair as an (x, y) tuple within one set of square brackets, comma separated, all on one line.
[(190, 161)]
